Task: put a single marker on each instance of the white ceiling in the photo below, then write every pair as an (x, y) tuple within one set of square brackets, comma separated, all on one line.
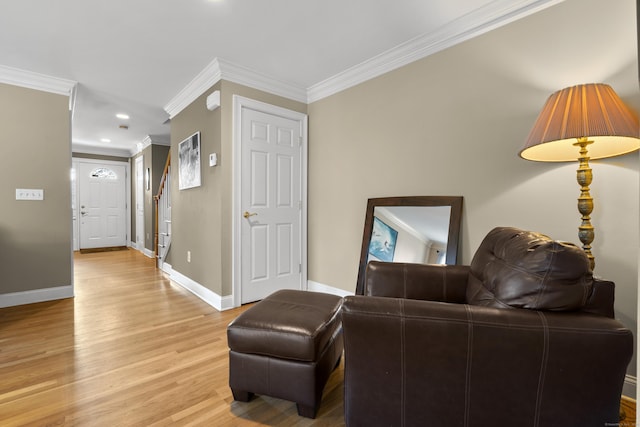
[(136, 56), (429, 223)]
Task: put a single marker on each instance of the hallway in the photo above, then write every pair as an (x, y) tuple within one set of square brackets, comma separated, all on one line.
[(131, 349)]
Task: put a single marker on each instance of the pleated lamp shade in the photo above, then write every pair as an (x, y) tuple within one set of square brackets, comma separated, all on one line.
[(590, 110)]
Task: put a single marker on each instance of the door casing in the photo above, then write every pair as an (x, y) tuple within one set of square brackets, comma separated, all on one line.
[(76, 202), (139, 208), (240, 103)]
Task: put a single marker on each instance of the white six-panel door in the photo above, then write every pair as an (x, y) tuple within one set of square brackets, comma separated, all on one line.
[(271, 205)]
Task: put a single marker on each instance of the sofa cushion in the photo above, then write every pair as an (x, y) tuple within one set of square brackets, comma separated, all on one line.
[(524, 269)]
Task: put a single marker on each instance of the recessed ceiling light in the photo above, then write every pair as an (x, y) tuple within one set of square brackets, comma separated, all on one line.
[(105, 140), (122, 116)]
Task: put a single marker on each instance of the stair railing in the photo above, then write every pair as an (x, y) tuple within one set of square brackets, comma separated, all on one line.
[(162, 234)]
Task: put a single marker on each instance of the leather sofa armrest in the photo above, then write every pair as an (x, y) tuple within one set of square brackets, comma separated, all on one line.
[(411, 361), (446, 283), (601, 299)]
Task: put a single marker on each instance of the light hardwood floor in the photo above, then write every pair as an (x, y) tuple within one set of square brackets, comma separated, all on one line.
[(130, 349), (627, 412)]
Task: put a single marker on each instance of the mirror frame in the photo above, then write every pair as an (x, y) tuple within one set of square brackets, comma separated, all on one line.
[(455, 202)]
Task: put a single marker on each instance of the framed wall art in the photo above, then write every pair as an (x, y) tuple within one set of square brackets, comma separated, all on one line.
[(189, 162), (383, 242)]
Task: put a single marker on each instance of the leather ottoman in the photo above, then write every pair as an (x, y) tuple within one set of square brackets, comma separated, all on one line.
[(286, 346)]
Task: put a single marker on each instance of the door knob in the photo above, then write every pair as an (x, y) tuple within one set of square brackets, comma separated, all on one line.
[(247, 214)]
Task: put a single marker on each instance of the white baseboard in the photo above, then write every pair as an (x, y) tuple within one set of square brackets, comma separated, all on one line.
[(142, 249), (218, 302), (166, 267), (629, 387), (222, 303), (36, 295), (319, 287)]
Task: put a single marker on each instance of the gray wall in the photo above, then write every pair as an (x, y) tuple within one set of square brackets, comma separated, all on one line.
[(453, 123), (159, 155), (154, 158), (35, 152)]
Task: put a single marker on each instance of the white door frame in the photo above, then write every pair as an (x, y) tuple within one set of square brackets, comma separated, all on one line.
[(239, 103), (75, 202), (140, 194), (127, 185)]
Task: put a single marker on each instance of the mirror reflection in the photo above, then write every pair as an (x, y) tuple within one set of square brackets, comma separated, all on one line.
[(416, 234), (418, 229)]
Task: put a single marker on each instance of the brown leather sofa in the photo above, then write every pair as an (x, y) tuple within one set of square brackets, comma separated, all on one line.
[(524, 336)]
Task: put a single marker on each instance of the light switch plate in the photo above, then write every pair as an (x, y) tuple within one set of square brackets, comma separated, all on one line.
[(29, 194)]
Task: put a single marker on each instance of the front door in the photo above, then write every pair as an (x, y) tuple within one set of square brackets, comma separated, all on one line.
[(102, 205), (271, 204)]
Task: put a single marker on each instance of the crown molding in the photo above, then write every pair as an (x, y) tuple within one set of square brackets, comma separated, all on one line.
[(149, 140), (159, 139), (220, 69), (87, 148), (196, 87), (480, 21), (245, 76), (140, 146), (37, 81), (495, 14)]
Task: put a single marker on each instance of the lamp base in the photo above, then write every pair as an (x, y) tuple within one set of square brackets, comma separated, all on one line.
[(585, 201)]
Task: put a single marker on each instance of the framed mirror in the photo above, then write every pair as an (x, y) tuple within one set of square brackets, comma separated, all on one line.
[(418, 229)]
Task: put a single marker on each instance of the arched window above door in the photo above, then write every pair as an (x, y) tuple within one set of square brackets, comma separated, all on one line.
[(103, 173)]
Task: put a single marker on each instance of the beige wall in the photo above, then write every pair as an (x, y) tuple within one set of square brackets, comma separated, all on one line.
[(196, 212), (201, 217), (453, 123), (35, 152)]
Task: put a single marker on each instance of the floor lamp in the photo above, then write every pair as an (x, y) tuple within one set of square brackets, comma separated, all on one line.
[(583, 122)]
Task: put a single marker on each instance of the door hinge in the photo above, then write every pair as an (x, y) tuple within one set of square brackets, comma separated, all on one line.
[(299, 204), (299, 268), (299, 141)]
